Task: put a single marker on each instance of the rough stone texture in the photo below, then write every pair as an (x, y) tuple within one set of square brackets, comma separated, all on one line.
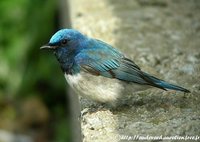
[(163, 38)]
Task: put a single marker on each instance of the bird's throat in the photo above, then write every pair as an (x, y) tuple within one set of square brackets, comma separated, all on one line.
[(66, 60)]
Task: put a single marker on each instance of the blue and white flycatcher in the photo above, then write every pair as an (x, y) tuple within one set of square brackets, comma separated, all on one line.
[(96, 70)]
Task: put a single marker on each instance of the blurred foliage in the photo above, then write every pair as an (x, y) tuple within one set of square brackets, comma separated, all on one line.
[(27, 72)]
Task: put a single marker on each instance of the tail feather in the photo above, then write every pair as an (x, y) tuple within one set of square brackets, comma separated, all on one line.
[(164, 85)]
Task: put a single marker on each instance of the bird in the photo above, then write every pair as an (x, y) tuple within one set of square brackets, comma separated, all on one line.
[(98, 71)]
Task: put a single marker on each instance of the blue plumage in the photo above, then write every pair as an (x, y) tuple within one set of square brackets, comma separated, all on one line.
[(76, 52)]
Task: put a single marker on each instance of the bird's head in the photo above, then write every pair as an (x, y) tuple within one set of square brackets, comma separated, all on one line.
[(65, 38), (65, 44)]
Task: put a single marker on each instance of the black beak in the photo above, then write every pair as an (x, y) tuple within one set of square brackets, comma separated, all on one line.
[(48, 47)]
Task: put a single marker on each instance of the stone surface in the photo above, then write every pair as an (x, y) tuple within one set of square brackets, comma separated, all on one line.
[(162, 37)]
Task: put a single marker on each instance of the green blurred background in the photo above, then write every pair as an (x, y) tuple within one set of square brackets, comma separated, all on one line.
[(33, 101)]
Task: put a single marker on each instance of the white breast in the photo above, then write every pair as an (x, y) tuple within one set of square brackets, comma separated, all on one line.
[(101, 89)]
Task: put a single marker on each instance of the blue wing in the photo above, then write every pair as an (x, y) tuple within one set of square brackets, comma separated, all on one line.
[(99, 58)]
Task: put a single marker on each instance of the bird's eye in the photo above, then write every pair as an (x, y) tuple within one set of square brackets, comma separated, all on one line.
[(64, 42)]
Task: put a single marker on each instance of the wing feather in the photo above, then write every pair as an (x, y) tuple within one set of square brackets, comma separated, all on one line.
[(100, 58)]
